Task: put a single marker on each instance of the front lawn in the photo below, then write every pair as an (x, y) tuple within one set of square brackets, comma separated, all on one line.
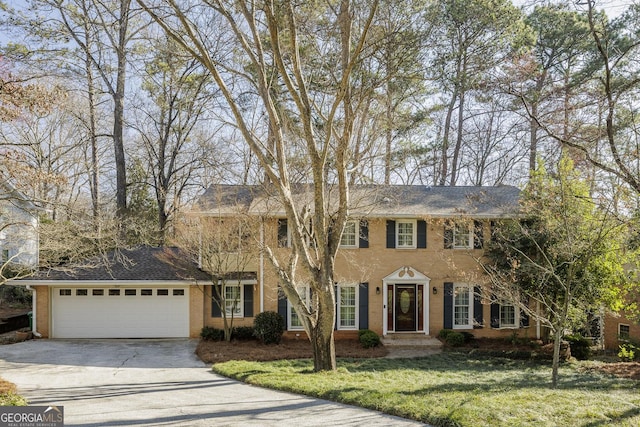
[(451, 389)]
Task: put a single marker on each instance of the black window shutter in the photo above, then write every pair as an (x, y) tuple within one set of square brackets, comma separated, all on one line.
[(391, 234), (495, 315), (478, 235), (448, 237), (524, 317), (248, 300), (422, 234), (215, 305), (363, 306), (478, 322), (448, 305), (336, 291), (364, 234), (282, 306), (282, 232)]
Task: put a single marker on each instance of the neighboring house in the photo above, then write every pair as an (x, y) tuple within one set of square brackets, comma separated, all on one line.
[(407, 261), (620, 328), (141, 293), (18, 228)]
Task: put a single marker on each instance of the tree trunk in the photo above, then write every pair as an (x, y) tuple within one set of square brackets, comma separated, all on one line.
[(557, 338), (118, 113), (321, 334)]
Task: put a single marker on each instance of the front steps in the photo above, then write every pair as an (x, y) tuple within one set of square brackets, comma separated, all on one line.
[(408, 345)]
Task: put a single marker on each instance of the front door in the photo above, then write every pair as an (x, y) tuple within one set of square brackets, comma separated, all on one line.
[(405, 308)]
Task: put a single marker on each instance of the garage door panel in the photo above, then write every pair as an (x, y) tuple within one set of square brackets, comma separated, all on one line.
[(120, 316)]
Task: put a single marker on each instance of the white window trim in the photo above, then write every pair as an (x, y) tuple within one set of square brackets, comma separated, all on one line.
[(291, 310), (339, 308), (516, 316), (469, 233), (468, 325), (356, 225), (620, 334), (240, 306), (414, 225)]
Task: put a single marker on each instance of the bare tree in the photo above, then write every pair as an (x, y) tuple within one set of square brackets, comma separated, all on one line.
[(307, 66)]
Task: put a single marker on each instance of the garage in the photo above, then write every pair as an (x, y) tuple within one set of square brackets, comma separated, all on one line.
[(120, 312)]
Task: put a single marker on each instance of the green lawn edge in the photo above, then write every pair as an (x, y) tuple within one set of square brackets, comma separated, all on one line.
[(453, 389)]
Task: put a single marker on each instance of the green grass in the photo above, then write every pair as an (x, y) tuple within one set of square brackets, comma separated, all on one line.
[(452, 390)]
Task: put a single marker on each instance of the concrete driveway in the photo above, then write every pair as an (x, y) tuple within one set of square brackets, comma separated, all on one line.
[(158, 382)]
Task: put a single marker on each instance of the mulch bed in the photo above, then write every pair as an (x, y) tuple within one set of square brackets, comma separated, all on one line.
[(221, 351)]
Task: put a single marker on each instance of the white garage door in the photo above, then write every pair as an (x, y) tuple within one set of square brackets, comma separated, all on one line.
[(123, 312)]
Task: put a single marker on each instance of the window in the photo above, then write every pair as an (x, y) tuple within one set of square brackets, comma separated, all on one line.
[(81, 292), (114, 292), (97, 292), (462, 307), (178, 292), (130, 292), (284, 235), (347, 306), (233, 300), (406, 234), (146, 292), (623, 331), (162, 292), (462, 237), (508, 315), (4, 256), (65, 292), (294, 320), (350, 236)]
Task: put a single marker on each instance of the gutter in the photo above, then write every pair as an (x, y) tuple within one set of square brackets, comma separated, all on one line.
[(34, 301)]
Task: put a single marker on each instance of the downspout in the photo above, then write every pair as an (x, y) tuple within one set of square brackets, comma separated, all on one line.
[(261, 265), (34, 301)]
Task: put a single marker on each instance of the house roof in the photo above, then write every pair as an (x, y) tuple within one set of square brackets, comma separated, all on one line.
[(383, 201), (8, 192), (143, 263)]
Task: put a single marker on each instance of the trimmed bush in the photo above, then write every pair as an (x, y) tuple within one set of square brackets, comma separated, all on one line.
[(455, 339), (444, 333), (211, 334), (242, 333), (580, 346), (368, 338), (629, 352), (268, 327), (468, 336)]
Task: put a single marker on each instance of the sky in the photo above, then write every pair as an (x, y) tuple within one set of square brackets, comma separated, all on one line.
[(612, 7)]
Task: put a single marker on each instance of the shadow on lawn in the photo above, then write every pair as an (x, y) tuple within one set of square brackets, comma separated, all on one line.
[(629, 413), (492, 374)]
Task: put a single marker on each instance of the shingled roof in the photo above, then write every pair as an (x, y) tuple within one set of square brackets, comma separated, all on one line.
[(143, 263), (372, 201)]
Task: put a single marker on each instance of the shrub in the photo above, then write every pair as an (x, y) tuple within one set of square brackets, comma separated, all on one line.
[(368, 338), (629, 352), (468, 336), (580, 346), (455, 339), (268, 327), (211, 334), (243, 333), (444, 333)]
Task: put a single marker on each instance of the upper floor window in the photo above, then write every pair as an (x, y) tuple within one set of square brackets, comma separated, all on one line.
[(462, 236), (4, 255), (406, 234), (349, 237)]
